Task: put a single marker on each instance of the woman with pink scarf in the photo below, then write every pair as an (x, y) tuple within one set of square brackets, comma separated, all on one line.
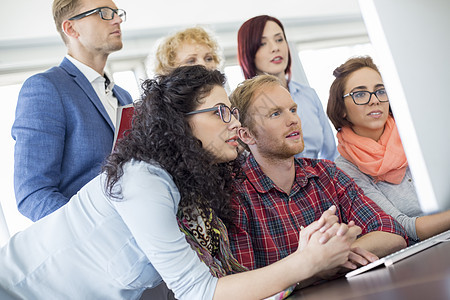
[(370, 148)]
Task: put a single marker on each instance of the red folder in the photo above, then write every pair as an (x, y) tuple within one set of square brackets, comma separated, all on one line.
[(124, 118)]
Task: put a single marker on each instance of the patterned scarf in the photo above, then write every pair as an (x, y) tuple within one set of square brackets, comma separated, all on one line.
[(208, 237), (212, 245), (384, 160)]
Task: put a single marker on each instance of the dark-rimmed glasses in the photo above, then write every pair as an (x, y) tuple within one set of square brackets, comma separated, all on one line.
[(363, 97), (106, 13), (224, 112)]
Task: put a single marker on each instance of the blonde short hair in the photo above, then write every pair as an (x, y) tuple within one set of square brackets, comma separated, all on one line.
[(246, 92), (63, 10), (167, 50)]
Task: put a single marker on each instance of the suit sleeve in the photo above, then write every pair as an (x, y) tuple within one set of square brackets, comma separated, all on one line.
[(39, 132)]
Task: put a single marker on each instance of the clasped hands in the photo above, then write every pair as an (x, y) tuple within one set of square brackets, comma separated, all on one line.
[(336, 238)]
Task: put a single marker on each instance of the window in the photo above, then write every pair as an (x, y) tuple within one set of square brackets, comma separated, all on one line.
[(14, 219), (127, 81), (234, 76), (319, 65)]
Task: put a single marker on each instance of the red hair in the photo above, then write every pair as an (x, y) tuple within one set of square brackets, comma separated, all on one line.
[(249, 41)]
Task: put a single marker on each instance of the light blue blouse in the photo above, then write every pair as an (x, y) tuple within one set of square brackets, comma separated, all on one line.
[(398, 200), (96, 247), (317, 133)]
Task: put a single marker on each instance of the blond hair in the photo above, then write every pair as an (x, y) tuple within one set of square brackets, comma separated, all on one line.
[(62, 10), (246, 92), (167, 51)]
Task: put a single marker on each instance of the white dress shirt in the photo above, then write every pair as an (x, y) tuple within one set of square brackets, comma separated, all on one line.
[(105, 95)]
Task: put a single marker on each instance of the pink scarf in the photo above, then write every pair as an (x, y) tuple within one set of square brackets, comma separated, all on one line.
[(384, 160)]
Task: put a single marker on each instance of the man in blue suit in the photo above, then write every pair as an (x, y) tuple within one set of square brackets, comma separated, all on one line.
[(65, 117)]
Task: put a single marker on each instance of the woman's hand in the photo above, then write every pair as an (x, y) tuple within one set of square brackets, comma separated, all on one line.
[(331, 248)]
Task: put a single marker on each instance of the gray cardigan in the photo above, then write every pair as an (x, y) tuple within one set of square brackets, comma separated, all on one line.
[(398, 200)]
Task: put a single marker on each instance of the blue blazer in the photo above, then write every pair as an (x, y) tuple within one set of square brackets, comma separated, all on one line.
[(63, 133)]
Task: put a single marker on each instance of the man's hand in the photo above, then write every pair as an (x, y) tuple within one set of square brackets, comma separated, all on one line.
[(325, 222)]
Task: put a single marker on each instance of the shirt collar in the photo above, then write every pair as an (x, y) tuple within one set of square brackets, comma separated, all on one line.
[(263, 184), (90, 73), (256, 176)]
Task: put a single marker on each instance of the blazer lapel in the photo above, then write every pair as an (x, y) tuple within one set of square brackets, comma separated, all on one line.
[(86, 86), (121, 97)]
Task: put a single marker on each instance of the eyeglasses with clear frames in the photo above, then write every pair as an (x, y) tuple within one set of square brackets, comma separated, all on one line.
[(106, 13), (363, 97), (224, 112)]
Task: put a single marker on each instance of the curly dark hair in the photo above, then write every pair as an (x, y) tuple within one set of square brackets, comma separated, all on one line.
[(161, 134)]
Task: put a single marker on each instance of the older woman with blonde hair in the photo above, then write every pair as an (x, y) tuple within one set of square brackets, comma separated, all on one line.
[(190, 46)]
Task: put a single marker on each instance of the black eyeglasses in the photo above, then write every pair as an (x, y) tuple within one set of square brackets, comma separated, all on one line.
[(224, 112), (106, 13), (363, 97)]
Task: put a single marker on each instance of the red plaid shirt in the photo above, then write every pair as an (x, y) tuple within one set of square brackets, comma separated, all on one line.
[(267, 220)]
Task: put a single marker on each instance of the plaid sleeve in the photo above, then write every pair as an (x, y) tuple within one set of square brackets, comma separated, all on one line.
[(359, 208), (240, 240)]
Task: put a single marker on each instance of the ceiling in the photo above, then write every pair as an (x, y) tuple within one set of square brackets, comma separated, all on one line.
[(29, 41)]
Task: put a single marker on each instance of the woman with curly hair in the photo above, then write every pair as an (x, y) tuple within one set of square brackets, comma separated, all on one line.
[(155, 213)]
